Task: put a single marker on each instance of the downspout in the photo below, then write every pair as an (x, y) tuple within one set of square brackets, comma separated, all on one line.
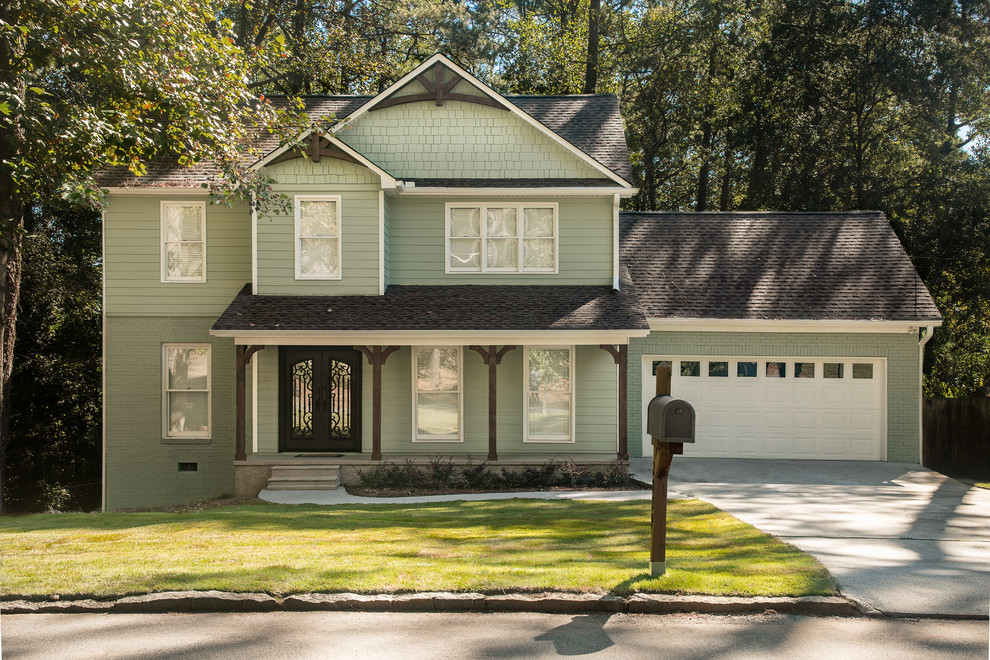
[(921, 390), (103, 359), (254, 246), (615, 241)]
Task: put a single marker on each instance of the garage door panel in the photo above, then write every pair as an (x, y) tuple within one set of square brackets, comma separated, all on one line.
[(758, 414)]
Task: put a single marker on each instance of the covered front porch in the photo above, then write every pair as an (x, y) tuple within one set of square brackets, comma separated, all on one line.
[(314, 400)]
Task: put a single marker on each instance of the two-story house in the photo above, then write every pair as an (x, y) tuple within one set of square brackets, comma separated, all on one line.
[(456, 279)]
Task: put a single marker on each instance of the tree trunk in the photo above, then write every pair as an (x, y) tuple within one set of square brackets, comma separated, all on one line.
[(11, 227), (591, 66), (726, 173)]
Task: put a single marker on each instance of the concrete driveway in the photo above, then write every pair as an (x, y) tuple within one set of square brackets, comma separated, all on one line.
[(897, 537)]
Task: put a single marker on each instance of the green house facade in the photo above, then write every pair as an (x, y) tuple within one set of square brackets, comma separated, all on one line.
[(455, 278)]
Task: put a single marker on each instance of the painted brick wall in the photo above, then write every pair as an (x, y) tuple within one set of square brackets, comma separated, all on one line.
[(141, 467), (901, 351)]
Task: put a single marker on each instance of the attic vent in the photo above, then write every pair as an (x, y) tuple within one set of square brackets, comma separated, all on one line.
[(188, 467)]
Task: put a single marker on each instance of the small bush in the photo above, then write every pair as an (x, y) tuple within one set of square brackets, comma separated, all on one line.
[(440, 474)]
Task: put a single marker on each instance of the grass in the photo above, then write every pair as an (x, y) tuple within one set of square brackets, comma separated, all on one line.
[(491, 547), (982, 484)]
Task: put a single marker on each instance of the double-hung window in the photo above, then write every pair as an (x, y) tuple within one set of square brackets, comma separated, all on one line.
[(501, 238), (549, 405), (186, 390), (437, 394), (183, 241), (317, 237)]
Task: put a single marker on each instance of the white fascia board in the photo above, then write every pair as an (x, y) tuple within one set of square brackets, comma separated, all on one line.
[(404, 80), (158, 191), (427, 337), (765, 325), (388, 181), (407, 190)]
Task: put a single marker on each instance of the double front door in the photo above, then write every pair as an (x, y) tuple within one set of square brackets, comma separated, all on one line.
[(320, 394)]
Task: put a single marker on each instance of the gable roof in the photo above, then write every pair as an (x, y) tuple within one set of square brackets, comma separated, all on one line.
[(786, 266), (589, 125)]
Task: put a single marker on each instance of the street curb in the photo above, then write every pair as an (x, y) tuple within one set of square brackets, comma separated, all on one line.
[(548, 602)]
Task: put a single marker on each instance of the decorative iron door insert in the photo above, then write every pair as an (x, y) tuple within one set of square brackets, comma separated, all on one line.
[(320, 397)]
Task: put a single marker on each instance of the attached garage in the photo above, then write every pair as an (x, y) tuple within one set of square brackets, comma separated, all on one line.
[(803, 408), (793, 335)]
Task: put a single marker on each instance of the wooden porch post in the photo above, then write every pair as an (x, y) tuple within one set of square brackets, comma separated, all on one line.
[(243, 357), (620, 355), (492, 358), (376, 357)]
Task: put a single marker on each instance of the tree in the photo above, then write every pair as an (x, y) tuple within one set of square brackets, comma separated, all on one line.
[(86, 84)]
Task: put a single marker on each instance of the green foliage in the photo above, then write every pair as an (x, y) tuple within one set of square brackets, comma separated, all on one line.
[(54, 451), (441, 474)]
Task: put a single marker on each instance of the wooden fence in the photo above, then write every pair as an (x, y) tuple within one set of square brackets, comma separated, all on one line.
[(957, 436)]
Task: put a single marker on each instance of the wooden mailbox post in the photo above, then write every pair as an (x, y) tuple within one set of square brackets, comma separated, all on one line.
[(663, 455)]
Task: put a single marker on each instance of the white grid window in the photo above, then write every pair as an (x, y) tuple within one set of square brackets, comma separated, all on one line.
[(437, 394), (183, 241), (501, 238), (549, 405), (317, 237), (186, 390)]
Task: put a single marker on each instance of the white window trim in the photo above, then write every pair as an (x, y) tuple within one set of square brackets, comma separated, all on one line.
[(166, 433), (164, 250), (416, 436), (520, 269), (340, 234), (556, 439)]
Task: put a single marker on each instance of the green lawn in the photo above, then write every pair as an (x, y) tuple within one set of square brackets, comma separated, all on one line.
[(983, 484), (509, 545)]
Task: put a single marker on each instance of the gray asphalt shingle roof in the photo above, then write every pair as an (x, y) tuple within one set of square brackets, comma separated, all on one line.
[(814, 266), (465, 307)]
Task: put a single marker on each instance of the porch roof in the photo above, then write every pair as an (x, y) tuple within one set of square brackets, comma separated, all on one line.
[(463, 308)]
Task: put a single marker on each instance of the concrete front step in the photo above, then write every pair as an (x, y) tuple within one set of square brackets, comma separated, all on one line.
[(304, 477)]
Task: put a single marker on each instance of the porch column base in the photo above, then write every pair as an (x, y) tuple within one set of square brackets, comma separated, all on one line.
[(658, 568)]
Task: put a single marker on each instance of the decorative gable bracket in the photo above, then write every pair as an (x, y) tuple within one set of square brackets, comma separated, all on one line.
[(437, 90), (316, 146)]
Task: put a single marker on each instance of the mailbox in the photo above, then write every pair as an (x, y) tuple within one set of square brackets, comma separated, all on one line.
[(670, 420)]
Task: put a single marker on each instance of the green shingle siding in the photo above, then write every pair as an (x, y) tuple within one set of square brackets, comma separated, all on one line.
[(901, 351), (460, 140)]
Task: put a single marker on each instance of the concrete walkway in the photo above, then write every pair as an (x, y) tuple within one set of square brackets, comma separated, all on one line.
[(896, 536)]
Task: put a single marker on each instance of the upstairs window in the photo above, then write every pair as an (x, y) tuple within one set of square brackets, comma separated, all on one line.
[(501, 238), (183, 241), (317, 237)]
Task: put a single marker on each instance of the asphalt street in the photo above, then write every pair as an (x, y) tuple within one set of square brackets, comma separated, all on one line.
[(301, 635)]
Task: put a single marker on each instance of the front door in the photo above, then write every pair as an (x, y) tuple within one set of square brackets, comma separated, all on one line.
[(320, 399)]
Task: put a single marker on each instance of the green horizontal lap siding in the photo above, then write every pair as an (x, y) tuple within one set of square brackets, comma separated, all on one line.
[(901, 351), (417, 243), (460, 140), (358, 188), (141, 467), (596, 420), (132, 259)]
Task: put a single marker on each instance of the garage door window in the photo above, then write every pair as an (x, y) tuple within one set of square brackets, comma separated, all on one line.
[(776, 369), (863, 371), (804, 369), (718, 369), (832, 370), (690, 368), (746, 369)]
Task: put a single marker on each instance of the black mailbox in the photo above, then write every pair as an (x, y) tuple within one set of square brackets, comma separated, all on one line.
[(670, 420)]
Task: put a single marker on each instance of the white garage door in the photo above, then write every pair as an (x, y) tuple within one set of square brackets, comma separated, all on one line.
[(814, 408)]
